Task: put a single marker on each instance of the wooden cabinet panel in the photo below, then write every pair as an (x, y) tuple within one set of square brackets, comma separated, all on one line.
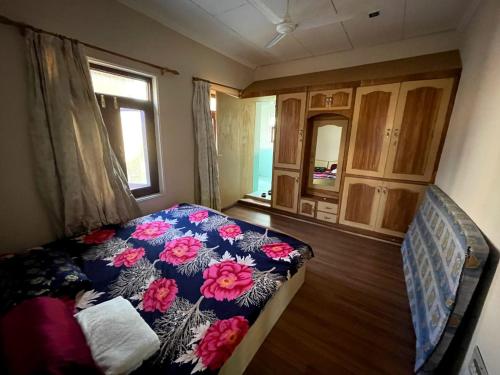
[(380, 206), (398, 204), (289, 130), (330, 99), (360, 201), (285, 190), (307, 207), (373, 119), (418, 127)]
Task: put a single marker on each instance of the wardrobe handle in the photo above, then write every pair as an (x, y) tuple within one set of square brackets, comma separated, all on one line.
[(301, 135), (384, 190), (378, 189), (388, 132), (396, 136)]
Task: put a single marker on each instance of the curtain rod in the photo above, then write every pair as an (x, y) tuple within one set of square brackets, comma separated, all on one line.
[(7, 21), (215, 83)]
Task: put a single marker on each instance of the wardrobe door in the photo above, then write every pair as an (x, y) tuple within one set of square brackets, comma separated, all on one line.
[(289, 130), (398, 204), (285, 190), (307, 207), (373, 118), (418, 129), (360, 202), (330, 99)]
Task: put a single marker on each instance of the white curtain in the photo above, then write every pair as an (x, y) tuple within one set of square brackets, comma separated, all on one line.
[(78, 173), (207, 170)]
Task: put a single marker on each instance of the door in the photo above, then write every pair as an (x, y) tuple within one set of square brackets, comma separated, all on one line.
[(307, 207), (289, 130), (235, 147), (398, 204), (360, 202), (330, 99), (285, 190), (418, 129), (373, 119)]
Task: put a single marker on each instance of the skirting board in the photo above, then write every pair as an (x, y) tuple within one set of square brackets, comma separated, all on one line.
[(256, 335)]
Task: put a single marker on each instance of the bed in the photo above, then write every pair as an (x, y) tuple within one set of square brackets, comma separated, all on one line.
[(207, 284)]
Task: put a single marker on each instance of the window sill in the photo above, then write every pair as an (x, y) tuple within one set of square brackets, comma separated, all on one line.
[(149, 197)]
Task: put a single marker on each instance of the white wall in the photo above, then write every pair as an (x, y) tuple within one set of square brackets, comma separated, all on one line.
[(111, 25), (470, 166), (398, 50)]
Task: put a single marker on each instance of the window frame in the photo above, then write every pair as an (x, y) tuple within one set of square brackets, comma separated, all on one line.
[(112, 121)]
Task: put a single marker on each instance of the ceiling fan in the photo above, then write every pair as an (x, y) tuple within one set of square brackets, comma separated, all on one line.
[(285, 25)]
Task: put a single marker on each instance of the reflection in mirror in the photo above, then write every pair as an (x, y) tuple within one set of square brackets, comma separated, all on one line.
[(326, 154)]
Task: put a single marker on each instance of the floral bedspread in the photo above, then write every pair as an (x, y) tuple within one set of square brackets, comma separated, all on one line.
[(197, 277)]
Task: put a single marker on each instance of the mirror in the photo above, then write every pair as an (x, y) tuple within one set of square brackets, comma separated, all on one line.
[(327, 151)]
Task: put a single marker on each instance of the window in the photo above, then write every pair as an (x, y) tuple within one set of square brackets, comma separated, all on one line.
[(127, 107), (213, 113)]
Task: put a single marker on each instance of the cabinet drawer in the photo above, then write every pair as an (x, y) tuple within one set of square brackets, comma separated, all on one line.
[(328, 207), (332, 218)]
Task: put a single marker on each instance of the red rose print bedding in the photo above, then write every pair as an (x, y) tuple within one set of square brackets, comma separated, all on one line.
[(197, 277)]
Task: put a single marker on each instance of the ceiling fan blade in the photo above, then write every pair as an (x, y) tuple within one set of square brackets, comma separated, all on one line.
[(275, 40), (267, 12), (323, 21)]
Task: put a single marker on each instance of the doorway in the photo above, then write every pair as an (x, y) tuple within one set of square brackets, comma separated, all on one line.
[(265, 122)]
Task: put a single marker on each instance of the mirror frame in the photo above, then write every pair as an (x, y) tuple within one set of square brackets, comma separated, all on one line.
[(317, 123)]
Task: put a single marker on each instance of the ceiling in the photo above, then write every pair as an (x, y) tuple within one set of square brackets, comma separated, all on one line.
[(237, 29)]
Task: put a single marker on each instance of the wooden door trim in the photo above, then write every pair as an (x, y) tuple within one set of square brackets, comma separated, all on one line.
[(393, 88)]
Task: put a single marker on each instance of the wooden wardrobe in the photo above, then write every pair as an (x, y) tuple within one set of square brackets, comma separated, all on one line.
[(290, 109), (395, 133), (395, 137)]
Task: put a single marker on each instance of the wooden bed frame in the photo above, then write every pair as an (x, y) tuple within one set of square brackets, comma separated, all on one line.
[(256, 335)]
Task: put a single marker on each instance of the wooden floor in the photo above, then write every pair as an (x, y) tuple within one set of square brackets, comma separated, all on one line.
[(351, 316)]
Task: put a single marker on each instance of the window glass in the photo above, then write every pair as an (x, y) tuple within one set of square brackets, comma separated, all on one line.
[(115, 84), (213, 103), (135, 147)]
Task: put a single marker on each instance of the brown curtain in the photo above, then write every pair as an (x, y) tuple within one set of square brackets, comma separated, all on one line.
[(78, 173)]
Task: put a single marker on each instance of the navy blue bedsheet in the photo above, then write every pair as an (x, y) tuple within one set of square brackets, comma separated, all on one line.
[(197, 277)]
